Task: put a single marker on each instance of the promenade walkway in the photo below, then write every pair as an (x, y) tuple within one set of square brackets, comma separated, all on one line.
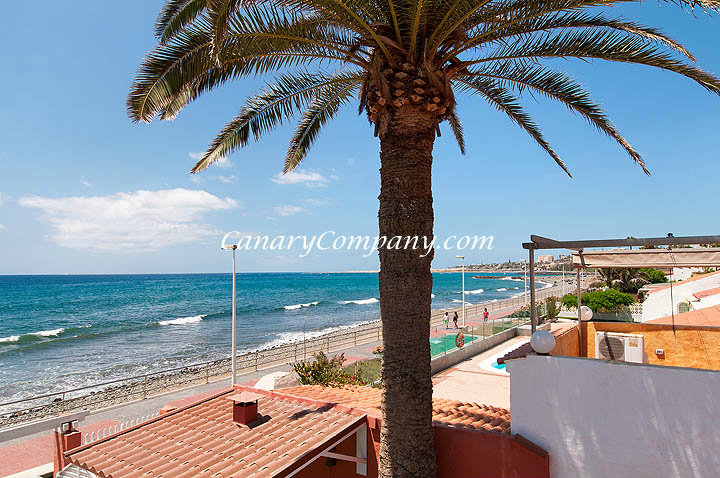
[(31, 456)]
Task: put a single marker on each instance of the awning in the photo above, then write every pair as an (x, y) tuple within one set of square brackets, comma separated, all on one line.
[(683, 257)]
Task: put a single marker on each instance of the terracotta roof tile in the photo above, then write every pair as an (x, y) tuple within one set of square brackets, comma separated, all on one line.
[(707, 317), (201, 440), (707, 293), (445, 411)]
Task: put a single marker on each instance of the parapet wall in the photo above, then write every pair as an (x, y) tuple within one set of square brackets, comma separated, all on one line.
[(683, 345)]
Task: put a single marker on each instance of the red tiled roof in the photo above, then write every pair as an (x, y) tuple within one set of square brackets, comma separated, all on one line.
[(708, 317), (201, 440), (707, 293), (446, 412)]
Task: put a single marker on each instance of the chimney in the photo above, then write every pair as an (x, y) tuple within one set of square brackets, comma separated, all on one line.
[(66, 437), (245, 407)]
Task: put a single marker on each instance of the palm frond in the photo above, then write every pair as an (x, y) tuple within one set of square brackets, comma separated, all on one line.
[(457, 129), (175, 15), (506, 102), (322, 109), (490, 32), (174, 69), (602, 45), (265, 111), (558, 86)]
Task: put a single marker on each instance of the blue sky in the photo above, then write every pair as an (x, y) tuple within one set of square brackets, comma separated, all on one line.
[(84, 190)]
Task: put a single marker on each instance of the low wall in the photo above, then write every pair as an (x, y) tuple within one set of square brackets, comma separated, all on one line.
[(613, 419), (455, 356), (458, 452), (684, 345), (566, 342)]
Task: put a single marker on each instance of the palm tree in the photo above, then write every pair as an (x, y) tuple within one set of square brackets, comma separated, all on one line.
[(406, 62)]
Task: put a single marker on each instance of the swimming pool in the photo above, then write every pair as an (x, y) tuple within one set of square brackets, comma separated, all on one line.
[(437, 347), (491, 364)]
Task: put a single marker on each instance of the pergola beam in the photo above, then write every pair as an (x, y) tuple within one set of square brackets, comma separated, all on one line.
[(540, 242)]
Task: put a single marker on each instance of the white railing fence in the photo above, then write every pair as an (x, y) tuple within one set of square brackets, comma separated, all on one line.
[(89, 437)]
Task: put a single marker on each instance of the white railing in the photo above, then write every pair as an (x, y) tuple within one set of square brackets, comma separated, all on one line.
[(89, 437)]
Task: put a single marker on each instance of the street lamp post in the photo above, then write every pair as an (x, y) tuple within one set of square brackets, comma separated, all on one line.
[(463, 288), (525, 281), (233, 360)]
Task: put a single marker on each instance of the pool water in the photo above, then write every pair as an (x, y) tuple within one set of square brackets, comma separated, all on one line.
[(436, 343), (498, 366)]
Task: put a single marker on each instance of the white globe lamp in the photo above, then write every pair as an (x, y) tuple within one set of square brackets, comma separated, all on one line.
[(586, 313), (542, 342)]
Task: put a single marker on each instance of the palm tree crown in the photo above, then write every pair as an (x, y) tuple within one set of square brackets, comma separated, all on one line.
[(407, 62), (389, 54)]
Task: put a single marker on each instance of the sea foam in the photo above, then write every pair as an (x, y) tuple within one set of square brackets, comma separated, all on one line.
[(12, 338), (502, 289), (371, 300), (299, 306), (474, 292), (183, 320), (48, 333)]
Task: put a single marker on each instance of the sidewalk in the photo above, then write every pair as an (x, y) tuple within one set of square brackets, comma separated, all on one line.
[(37, 450)]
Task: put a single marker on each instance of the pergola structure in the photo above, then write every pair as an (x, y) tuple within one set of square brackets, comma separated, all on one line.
[(684, 257)]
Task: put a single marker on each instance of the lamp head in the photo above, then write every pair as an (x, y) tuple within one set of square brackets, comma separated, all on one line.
[(542, 342), (586, 313)]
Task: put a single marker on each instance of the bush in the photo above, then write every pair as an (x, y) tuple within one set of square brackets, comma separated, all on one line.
[(325, 371), (610, 300), (551, 309), (653, 275)]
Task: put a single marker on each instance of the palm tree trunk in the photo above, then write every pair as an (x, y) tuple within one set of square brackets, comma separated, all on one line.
[(406, 144)]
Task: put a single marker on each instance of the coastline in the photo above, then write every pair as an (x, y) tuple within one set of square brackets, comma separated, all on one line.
[(129, 389)]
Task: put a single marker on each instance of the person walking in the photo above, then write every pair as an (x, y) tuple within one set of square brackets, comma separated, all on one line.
[(486, 315), (455, 319), (446, 318)]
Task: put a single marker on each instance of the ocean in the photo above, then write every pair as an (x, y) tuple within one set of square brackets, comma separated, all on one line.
[(66, 331)]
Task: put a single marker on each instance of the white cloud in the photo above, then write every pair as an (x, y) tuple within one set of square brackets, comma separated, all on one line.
[(288, 210), (221, 163), (2, 226), (3, 198), (87, 184), (315, 202), (228, 179), (299, 176), (135, 221)]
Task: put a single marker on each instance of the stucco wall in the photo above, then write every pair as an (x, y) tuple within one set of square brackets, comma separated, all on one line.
[(459, 453), (659, 304), (566, 342), (684, 346), (610, 419)]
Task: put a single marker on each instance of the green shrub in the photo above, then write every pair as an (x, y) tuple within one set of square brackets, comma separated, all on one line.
[(551, 309), (653, 275), (325, 371), (610, 300)]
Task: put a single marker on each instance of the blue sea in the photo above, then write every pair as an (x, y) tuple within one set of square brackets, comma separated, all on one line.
[(62, 332)]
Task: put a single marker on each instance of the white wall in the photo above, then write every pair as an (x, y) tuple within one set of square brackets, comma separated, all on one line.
[(611, 419), (658, 303)]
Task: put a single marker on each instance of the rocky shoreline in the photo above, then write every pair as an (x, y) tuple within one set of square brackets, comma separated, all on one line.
[(138, 388)]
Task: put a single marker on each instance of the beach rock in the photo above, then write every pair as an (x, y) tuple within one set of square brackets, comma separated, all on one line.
[(277, 380)]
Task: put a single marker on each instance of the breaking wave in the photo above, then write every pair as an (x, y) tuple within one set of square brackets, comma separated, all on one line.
[(183, 320), (371, 300), (300, 306)]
